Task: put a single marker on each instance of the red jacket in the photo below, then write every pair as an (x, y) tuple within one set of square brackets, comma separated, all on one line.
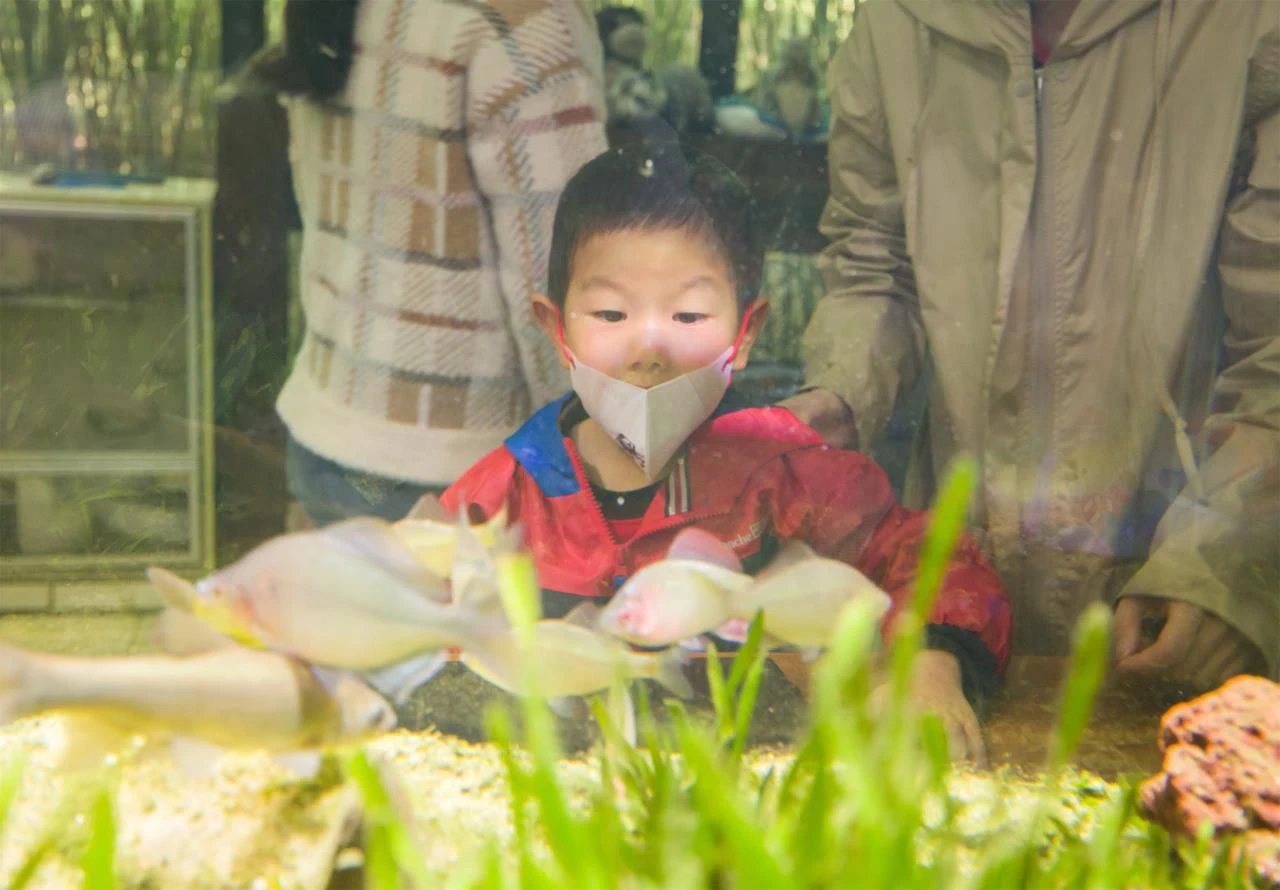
[(753, 477)]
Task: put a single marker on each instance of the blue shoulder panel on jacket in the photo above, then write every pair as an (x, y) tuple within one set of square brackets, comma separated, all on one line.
[(538, 446)]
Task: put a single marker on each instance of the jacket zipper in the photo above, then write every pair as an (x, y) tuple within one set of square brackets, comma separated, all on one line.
[(1039, 410), (662, 525)]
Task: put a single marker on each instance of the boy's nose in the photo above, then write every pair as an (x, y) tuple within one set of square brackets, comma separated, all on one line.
[(651, 351)]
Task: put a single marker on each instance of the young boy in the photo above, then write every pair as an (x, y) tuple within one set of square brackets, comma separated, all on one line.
[(653, 301)]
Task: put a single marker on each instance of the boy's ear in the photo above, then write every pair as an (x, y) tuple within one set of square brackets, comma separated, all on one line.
[(759, 312), (547, 315)]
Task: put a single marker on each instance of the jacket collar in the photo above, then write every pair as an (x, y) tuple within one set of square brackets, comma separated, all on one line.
[(1004, 26), (542, 449)]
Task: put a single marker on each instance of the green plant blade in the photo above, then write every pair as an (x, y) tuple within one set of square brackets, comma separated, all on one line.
[(98, 859)]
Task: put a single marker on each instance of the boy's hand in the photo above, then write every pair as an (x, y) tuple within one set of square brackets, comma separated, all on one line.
[(935, 686), (827, 414)]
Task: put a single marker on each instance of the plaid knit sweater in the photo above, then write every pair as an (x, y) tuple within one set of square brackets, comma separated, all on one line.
[(427, 190)]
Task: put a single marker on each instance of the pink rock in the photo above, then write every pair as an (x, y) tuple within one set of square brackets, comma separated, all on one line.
[(1222, 766)]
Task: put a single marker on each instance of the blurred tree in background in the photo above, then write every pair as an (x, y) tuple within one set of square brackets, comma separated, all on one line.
[(109, 84), (128, 84), (768, 24), (674, 26)]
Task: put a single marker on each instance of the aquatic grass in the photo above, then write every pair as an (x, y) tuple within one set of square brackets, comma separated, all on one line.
[(578, 861), (98, 861), (733, 698), (390, 852), (10, 785)]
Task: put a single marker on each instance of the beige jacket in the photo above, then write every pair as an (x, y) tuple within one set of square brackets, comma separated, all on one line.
[(1064, 340)]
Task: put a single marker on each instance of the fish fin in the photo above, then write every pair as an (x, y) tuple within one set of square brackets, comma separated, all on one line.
[(477, 592), (375, 540), (702, 546), (178, 632), (670, 673), (566, 707), (429, 508), (810, 653), (177, 593), (733, 631), (694, 644), (793, 552), (585, 614), (496, 524), (194, 757), (398, 681), (622, 711), (472, 565), (302, 764)]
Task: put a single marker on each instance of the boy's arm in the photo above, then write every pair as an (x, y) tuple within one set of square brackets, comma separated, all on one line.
[(535, 114), (840, 503)]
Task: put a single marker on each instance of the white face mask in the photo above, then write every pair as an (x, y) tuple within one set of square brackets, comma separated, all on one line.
[(651, 424)]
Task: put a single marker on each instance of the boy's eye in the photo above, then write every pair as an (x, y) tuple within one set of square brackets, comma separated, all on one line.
[(689, 317), (609, 315)]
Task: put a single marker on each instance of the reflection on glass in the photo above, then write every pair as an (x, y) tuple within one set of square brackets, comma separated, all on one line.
[(121, 291)]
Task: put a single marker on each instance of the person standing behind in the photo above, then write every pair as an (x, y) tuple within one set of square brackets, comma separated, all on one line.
[(429, 142), (1070, 210)]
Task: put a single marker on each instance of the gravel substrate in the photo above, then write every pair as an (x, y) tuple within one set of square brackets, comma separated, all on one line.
[(251, 824)]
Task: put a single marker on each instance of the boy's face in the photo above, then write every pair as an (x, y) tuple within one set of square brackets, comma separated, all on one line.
[(648, 306)]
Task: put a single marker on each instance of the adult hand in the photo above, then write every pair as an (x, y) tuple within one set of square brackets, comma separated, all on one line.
[(936, 688), (827, 413), (1194, 647)]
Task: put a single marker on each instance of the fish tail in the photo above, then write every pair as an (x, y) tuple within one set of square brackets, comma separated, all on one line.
[(621, 710), (670, 672), (398, 681)]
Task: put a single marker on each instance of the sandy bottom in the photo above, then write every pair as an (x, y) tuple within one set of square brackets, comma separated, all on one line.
[(250, 823)]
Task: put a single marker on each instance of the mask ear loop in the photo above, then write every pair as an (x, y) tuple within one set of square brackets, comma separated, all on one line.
[(737, 343), (560, 334)]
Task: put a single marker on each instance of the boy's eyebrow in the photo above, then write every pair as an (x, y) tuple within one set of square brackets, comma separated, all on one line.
[(603, 281)]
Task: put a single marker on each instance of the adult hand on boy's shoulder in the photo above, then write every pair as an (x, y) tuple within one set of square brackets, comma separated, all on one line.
[(936, 686), (827, 414)]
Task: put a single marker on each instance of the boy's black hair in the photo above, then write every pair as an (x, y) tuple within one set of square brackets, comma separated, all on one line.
[(651, 188)]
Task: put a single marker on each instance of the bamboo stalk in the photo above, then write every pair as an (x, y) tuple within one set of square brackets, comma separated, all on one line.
[(27, 13), (195, 23), (55, 58)]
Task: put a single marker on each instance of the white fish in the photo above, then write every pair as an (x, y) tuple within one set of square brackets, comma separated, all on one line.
[(700, 588), (193, 624), (571, 660), (802, 595), (229, 698), (671, 600), (351, 596)]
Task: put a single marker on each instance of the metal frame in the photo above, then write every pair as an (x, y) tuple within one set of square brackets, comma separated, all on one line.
[(188, 203)]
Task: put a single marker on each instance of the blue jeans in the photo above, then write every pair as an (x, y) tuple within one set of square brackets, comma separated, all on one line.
[(331, 492)]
